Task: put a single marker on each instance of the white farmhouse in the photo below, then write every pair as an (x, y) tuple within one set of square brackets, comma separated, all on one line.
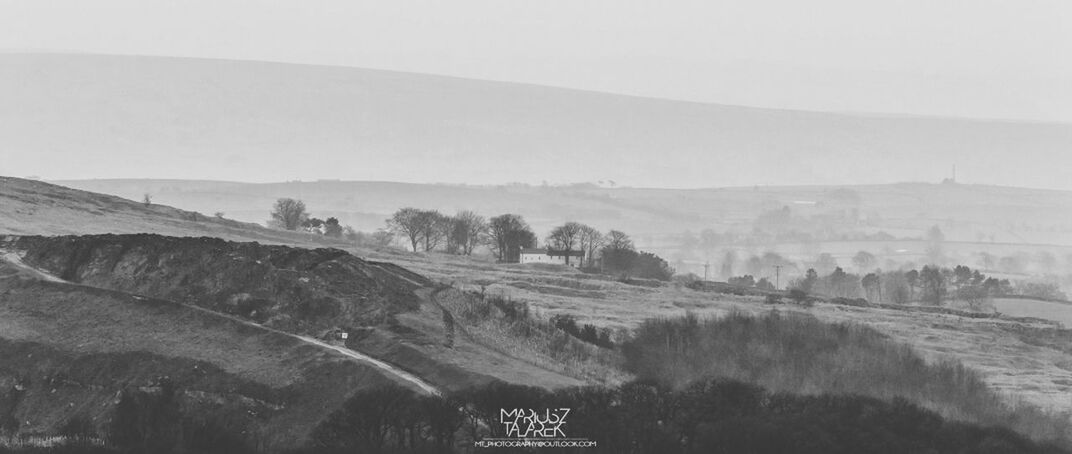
[(551, 256)]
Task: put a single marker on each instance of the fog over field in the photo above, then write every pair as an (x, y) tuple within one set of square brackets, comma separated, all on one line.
[(235, 226)]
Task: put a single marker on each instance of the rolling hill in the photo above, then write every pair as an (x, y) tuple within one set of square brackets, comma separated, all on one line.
[(101, 313), (1001, 221), (68, 116), (243, 329), (38, 208)]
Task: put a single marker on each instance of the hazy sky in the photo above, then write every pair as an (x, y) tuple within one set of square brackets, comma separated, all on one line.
[(975, 58)]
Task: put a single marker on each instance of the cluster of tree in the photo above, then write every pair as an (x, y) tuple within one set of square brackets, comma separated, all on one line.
[(931, 284), (151, 421), (291, 214), (620, 257), (615, 249), (750, 281), (641, 416), (587, 333), (506, 235), (329, 227), (837, 284), (428, 229)]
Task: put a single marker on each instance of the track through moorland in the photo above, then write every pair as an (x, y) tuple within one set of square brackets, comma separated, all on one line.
[(14, 259)]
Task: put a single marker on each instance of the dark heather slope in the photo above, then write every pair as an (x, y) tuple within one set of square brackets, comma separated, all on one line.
[(298, 290), (69, 352)]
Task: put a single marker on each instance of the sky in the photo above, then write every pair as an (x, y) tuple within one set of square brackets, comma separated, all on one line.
[(979, 58)]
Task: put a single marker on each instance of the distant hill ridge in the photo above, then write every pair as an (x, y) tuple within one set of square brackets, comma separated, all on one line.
[(159, 117)]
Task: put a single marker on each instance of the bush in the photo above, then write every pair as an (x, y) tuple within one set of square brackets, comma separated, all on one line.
[(588, 333), (798, 296), (786, 353), (714, 415)]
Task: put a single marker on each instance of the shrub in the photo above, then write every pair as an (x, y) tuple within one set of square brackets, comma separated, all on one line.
[(787, 353), (713, 415)]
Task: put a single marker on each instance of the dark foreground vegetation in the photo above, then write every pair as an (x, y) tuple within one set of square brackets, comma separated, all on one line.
[(709, 416), (797, 353), (738, 384)]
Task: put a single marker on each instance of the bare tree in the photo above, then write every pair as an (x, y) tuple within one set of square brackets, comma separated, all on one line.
[(421, 227), (410, 223), (507, 234), (590, 241), (454, 233), (565, 238), (617, 241), (933, 284), (468, 230), (288, 214), (437, 228)]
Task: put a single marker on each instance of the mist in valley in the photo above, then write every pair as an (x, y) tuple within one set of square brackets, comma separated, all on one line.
[(585, 226)]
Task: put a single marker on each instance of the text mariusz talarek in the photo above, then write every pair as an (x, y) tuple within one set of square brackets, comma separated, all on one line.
[(529, 423)]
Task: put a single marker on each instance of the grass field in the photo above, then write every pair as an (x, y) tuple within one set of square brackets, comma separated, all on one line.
[(1035, 373), (1034, 368), (1049, 310)]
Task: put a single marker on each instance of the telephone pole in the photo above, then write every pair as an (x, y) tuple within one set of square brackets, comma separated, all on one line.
[(706, 265), (777, 277)]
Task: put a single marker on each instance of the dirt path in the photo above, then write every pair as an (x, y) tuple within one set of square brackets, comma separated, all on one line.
[(15, 260)]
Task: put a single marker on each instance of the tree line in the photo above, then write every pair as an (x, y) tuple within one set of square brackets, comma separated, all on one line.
[(507, 235), (930, 284), (291, 214)]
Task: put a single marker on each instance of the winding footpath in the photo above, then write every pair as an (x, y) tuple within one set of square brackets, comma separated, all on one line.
[(15, 260)]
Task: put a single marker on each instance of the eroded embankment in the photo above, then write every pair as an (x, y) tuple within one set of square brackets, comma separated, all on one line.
[(299, 290)]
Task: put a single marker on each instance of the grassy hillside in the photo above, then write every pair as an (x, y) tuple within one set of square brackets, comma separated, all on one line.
[(1025, 360), (38, 208), (1002, 221), (1019, 359), (88, 344), (799, 354)]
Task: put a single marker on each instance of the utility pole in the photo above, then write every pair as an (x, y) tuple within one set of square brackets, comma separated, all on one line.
[(777, 277), (705, 267)]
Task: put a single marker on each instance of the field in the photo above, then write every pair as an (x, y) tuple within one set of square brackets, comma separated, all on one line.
[(1050, 310), (38, 208), (1000, 221), (1023, 360), (996, 347)]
